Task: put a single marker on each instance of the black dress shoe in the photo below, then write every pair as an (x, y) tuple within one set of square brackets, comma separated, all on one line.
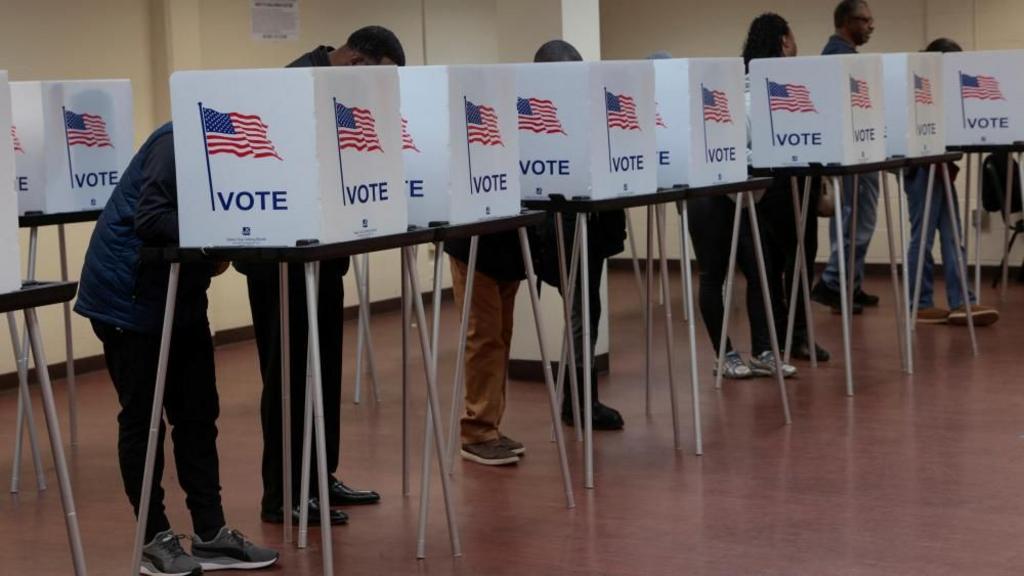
[(864, 299), (342, 495), (277, 517), (802, 351), (603, 417)]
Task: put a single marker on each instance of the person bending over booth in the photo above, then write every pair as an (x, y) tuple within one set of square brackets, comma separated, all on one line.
[(124, 298), (369, 46)]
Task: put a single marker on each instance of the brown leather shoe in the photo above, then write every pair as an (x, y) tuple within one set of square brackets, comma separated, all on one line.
[(982, 315), (933, 315)]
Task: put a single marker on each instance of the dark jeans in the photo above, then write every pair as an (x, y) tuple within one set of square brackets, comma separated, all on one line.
[(778, 230), (191, 405), (264, 301), (710, 222)]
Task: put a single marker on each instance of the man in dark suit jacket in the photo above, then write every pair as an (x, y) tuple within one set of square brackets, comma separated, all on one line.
[(369, 46)]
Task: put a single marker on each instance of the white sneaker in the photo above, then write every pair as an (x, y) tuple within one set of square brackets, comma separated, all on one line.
[(764, 365), (733, 367)]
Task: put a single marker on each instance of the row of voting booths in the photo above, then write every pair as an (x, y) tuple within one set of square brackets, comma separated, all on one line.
[(288, 156)]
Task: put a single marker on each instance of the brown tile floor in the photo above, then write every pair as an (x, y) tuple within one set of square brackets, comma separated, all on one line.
[(916, 475)]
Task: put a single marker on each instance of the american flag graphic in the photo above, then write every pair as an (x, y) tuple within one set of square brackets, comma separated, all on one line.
[(716, 106), (407, 141), (538, 115), (482, 125), (238, 134), (356, 129), (980, 88), (16, 140), (659, 122), (860, 95), (621, 111), (922, 90), (789, 98), (86, 130)]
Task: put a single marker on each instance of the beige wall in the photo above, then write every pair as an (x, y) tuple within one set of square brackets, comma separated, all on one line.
[(146, 40), (634, 29)]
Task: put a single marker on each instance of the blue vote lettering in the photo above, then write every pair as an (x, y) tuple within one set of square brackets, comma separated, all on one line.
[(21, 183), (489, 183), (926, 129), (415, 188), (544, 167), (627, 163), (989, 122), (864, 135), (663, 158), (93, 179), (799, 139), (716, 155), (258, 200), (365, 193)]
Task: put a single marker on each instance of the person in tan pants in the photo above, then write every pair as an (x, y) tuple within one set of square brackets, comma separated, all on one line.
[(488, 342)]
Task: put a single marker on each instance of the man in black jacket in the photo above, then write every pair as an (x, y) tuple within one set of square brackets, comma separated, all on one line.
[(369, 46), (606, 238), (124, 297)]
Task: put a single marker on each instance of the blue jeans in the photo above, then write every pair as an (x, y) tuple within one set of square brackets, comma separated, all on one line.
[(938, 219), (867, 213)]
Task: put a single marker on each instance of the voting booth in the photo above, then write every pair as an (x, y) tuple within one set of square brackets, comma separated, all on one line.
[(461, 123), (984, 97), (10, 254), (817, 109), (586, 129), (275, 157), (76, 137), (914, 115), (700, 121)]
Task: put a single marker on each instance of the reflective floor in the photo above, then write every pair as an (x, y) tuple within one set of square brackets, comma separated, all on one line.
[(915, 475)]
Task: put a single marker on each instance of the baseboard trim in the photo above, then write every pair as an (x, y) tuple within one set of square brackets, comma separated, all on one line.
[(626, 263)]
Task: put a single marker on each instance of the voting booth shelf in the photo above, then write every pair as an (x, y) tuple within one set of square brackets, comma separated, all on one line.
[(817, 109), (984, 97), (271, 157), (701, 121), (460, 143), (586, 128), (914, 114), (73, 139)]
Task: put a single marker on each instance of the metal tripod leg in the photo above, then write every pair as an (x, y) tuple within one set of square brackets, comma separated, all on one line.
[(922, 247), (698, 438), (723, 338), (845, 299), (960, 268), (670, 342), (460, 357)]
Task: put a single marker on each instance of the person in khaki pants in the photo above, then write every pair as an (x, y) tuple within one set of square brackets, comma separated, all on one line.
[(488, 342)]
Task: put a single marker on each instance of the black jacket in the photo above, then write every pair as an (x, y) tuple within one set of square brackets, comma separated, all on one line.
[(838, 45), (498, 255), (314, 58)]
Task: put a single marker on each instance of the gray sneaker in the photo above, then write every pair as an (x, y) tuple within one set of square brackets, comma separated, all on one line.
[(230, 550), (764, 365), (514, 447), (164, 556), (490, 453), (733, 367)]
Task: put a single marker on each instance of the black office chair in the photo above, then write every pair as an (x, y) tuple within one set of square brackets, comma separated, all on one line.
[(993, 194)]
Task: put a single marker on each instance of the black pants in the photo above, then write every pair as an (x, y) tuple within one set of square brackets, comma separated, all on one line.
[(778, 228), (191, 405), (264, 303), (710, 222)]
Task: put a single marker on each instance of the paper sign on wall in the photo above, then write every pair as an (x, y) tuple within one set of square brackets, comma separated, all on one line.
[(701, 121), (274, 157), (460, 143), (817, 109), (76, 137), (586, 129)]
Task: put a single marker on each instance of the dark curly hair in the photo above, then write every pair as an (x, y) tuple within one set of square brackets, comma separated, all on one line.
[(764, 39)]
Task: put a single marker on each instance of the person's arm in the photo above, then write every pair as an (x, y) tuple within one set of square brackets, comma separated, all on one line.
[(156, 212)]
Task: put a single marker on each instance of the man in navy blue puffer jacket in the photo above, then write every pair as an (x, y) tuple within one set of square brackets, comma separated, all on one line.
[(124, 298)]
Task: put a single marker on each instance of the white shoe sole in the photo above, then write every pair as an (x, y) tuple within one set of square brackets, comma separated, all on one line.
[(492, 462), (211, 564), (151, 571)]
